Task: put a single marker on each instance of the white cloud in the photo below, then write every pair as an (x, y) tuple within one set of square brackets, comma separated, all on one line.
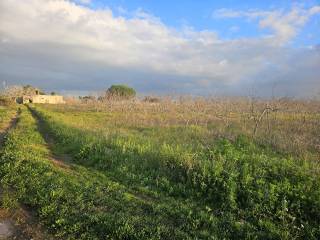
[(59, 43), (140, 41), (285, 25)]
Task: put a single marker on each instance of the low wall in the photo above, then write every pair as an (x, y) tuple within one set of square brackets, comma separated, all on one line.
[(51, 99)]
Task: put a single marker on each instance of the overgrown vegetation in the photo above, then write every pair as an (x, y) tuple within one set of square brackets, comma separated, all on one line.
[(250, 188), (6, 114), (6, 101), (168, 170), (80, 203)]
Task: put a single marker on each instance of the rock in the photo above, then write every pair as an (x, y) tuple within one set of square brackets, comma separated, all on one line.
[(6, 229)]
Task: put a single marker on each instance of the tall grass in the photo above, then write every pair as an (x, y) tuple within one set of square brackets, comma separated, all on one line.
[(288, 126), (253, 190), (80, 203)]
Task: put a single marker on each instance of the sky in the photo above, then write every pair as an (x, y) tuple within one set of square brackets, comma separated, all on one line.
[(208, 48)]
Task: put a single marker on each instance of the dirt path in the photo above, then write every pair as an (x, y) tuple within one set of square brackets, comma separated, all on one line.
[(59, 159), (7, 227), (19, 223), (9, 125)]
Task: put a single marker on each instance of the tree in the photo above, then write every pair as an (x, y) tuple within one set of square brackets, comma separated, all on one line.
[(120, 92), (87, 99), (11, 94), (12, 91), (30, 90)]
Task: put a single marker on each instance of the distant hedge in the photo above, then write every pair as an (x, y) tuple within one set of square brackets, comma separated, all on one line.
[(121, 91)]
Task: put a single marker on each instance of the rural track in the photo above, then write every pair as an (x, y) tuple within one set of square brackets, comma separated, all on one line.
[(19, 223), (64, 161), (59, 160), (7, 227), (13, 122)]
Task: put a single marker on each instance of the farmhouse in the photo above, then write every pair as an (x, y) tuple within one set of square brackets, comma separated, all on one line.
[(50, 99)]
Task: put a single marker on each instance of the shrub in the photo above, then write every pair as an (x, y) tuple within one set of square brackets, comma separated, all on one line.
[(151, 99), (6, 101), (120, 91)]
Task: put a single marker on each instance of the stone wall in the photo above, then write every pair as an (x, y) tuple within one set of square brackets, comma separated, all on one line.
[(50, 99)]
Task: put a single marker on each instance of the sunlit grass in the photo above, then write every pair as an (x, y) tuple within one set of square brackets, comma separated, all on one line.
[(147, 177)]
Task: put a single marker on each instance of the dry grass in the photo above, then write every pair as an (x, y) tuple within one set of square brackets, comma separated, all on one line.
[(287, 125)]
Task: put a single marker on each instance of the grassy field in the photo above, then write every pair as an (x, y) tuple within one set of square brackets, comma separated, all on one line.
[(184, 169)]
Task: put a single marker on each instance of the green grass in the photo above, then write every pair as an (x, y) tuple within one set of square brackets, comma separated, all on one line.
[(81, 203), (6, 114), (154, 182), (243, 190)]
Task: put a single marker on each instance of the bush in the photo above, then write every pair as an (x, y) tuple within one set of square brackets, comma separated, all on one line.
[(6, 101), (152, 99), (120, 91)]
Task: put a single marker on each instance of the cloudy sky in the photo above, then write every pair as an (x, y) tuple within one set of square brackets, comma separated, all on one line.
[(163, 47)]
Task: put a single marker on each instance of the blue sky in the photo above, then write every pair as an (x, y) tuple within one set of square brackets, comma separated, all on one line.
[(199, 15), (162, 47)]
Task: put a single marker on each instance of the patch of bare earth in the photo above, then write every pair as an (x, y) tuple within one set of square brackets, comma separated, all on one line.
[(21, 224)]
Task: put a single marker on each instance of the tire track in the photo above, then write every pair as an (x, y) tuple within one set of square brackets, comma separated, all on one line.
[(18, 223), (60, 160), (8, 126)]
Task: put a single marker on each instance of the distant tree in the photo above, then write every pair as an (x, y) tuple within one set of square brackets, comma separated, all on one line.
[(30, 90), (12, 91), (53, 93), (87, 99), (120, 92), (9, 94)]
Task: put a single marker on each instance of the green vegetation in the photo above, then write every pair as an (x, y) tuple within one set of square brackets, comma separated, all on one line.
[(151, 177), (121, 91), (6, 114), (252, 191), (80, 203), (31, 90)]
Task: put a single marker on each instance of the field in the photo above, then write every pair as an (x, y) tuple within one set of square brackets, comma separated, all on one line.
[(173, 169)]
